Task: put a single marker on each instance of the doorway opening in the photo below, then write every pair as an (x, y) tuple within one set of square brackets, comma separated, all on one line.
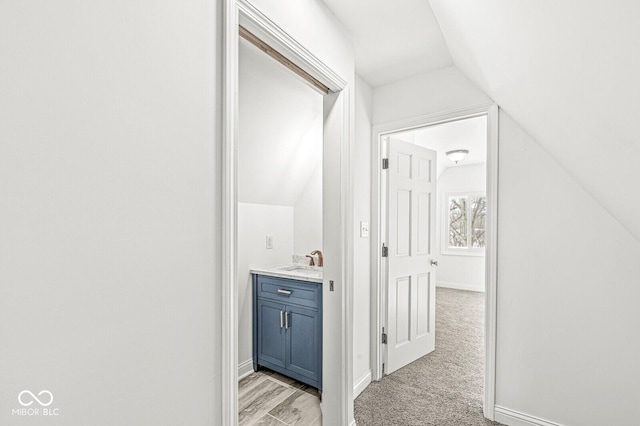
[(461, 171), (336, 228), (279, 223), (435, 220)]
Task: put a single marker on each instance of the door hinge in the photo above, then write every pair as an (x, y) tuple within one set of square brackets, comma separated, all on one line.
[(383, 368), (384, 337), (385, 163), (385, 251)]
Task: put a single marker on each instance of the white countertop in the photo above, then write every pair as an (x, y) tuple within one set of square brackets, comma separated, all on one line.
[(294, 271)]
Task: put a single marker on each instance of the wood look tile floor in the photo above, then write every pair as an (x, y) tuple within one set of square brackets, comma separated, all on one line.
[(267, 398)]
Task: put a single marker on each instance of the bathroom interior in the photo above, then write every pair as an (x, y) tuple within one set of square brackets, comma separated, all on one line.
[(279, 241)]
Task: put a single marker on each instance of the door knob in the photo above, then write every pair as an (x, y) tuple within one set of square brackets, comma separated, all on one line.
[(434, 262)]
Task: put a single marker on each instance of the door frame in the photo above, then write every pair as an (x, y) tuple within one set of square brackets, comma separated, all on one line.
[(489, 110), (337, 356)]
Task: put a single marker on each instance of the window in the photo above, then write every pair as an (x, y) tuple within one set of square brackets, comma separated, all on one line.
[(464, 221)]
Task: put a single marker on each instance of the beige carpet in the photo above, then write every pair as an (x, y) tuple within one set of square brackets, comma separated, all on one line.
[(444, 387)]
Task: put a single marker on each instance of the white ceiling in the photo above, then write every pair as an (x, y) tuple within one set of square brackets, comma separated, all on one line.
[(569, 73), (280, 140), (392, 39), (470, 134)]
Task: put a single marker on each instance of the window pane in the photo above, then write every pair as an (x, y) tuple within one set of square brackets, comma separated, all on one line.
[(478, 214), (458, 222)]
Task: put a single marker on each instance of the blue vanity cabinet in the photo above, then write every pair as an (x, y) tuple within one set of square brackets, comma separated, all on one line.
[(287, 327), (271, 345), (303, 349)]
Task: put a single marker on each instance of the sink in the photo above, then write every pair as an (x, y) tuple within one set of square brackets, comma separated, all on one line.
[(298, 268), (292, 270)]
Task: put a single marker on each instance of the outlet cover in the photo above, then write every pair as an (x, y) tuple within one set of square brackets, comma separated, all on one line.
[(269, 241), (364, 229)]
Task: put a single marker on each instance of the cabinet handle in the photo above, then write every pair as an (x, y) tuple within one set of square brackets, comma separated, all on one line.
[(286, 320), (281, 291), (281, 319)]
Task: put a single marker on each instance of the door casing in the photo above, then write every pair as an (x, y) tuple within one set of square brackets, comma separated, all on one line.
[(337, 242), (378, 219)]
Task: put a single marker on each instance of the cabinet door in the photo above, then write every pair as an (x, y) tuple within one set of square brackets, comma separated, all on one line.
[(303, 349), (271, 337)]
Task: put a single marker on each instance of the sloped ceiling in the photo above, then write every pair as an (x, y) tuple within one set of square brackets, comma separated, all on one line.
[(392, 39), (280, 131), (569, 73)]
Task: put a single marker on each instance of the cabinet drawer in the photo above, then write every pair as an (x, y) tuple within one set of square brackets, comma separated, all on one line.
[(289, 291)]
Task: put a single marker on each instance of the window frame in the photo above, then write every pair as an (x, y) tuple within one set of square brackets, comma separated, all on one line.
[(445, 249)]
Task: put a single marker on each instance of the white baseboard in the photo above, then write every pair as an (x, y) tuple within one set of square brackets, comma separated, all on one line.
[(361, 384), (515, 418), (459, 286), (245, 368)]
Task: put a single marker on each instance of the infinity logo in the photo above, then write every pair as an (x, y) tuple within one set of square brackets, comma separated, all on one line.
[(26, 404)]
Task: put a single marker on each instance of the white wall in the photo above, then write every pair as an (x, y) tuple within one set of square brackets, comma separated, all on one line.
[(111, 199), (280, 131), (314, 26), (255, 222), (110, 211), (307, 219), (568, 286), (573, 87), (458, 271), (424, 94), (362, 246), (568, 295)]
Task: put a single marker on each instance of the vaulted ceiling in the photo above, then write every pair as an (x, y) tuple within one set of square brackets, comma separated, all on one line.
[(568, 72), (392, 39), (280, 141)]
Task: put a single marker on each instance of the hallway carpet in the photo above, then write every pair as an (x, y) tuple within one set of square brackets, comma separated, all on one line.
[(444, 387)]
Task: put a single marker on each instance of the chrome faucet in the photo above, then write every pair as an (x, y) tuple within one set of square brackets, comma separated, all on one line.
[(319, 253)]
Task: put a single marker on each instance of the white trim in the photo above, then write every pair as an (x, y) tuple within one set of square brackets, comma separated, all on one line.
[(361, 384), (265, 29), (235, 12), (491, 264), (459, 286), (431, 119), (516, 418), (229, 344), (337, 373), (245, 368), (377, 311), (347, 243)]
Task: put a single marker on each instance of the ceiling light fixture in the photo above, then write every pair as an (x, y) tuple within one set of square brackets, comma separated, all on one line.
[(457, 155)]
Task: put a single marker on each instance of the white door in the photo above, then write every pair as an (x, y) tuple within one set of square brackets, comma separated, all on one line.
[(410, 296)]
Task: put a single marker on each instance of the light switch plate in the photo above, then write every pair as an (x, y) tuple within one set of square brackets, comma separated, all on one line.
[(269, 241), (364, 229)]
